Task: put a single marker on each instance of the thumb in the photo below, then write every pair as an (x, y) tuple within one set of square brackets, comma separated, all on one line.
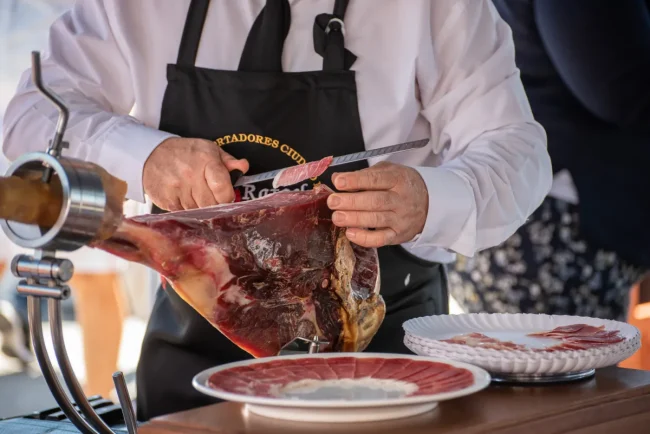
[(232, 163)]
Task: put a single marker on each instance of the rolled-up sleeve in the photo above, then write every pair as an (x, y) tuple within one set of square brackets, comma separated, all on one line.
[(85, 67), (494, 169)]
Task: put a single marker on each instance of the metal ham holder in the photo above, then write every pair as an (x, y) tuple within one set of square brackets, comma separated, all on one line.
[(302, 346), (45, 276)]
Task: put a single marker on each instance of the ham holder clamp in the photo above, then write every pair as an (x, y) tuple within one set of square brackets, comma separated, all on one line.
[(90, 208)]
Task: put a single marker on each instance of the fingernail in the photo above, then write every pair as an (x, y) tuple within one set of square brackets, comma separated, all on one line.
[(340, 181), (334, 201), (350, 233), (338, 217)]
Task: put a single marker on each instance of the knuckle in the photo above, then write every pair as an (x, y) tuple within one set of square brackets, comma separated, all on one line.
[(352, 201), (226, 195), (384, 164), (366, 178), (214, 184), (187, 172), (364, 239), (352, 180), (377, 241), (390, 221), (382, 201), (171, 206), (174, 182), (377, 201), (386, 200), (390, 236), (375, 177), (393, 199), (396, 177)]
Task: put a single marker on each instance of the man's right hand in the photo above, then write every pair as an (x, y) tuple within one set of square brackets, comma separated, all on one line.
[(189, 173)]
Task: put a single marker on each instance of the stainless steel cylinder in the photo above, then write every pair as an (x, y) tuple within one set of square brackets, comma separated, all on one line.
[(58, 269), (84, 201), (36, 290)]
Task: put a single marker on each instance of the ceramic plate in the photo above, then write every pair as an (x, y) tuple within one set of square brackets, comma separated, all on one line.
[(341, 387), (562, 353)]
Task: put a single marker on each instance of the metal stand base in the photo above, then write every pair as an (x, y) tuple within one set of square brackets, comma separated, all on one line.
[(542, 378)]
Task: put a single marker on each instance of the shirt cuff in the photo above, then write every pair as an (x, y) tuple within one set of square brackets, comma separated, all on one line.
[(124, 150), (451, 218)]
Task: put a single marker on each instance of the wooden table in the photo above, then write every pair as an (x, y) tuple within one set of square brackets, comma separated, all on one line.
[(615, 401)]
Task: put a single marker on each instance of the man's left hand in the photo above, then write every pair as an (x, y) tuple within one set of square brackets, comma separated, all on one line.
[(390, 198)]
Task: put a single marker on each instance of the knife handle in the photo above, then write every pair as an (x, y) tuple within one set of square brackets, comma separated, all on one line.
[(235, 175)]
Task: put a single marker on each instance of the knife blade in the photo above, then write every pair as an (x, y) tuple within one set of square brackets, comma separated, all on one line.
[(239, 180)]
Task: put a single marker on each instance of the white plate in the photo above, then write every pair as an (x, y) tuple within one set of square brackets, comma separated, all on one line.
[(327, 401), (423, 337)]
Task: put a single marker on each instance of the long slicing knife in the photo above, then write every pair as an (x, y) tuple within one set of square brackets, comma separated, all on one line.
[(239, 180)]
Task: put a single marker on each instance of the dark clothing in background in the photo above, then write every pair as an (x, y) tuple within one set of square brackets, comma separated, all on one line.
[(585, 65)]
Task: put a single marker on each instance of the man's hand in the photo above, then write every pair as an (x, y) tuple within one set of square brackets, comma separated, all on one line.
[(390, 198), (189, 173)]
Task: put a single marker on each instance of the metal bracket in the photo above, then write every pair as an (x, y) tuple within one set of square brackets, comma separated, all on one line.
[(64, 114), (303, 346), (328, 28)]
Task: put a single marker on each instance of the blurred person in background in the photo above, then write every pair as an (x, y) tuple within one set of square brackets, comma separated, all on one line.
[(585, 65), (99, 301)]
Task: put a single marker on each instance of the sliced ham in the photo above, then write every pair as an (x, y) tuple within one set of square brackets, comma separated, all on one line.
[(580, 337), (294, 175), (267, 379), (482, 341), (572, 338), (570, 330)]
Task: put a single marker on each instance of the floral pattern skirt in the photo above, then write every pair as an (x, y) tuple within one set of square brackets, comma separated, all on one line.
[(545, 267)]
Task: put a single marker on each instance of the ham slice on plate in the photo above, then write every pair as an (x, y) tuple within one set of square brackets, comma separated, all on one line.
[(573, 337), (580, 337), (483, 341), (517, 347), (341, 388), (303, 172), (405, 377), (571, 330)]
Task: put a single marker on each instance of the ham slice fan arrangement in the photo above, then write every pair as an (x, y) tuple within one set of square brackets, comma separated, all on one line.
[(273, 379), (571, 337), (263, 272)]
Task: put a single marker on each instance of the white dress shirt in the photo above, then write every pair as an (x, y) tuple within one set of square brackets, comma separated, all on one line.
[(442, 69)]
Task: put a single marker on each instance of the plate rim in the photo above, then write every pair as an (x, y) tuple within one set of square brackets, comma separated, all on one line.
[(482, 380), (410, 328)]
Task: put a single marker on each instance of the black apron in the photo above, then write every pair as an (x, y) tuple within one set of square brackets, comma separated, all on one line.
[(273, 119)]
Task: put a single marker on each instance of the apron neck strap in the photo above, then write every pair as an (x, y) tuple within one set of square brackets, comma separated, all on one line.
[(192, 32), (340, 6), (265, 42), (329, 39)]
